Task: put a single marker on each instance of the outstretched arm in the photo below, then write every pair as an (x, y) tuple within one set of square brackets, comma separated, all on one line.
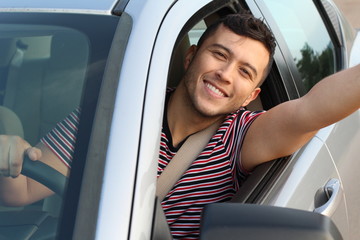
[(287, 127)]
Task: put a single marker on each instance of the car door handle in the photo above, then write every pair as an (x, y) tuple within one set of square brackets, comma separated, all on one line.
[(334, 194)]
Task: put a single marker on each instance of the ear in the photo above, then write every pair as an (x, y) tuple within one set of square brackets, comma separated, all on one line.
[(190, 53), (253, 95)]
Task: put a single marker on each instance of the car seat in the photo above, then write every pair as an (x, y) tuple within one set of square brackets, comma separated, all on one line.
[(10, 123), (42, 91)]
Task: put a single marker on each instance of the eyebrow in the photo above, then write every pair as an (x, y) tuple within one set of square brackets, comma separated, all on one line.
[(232, 53)]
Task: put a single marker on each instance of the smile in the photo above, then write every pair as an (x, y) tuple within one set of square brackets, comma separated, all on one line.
[(215, 90)]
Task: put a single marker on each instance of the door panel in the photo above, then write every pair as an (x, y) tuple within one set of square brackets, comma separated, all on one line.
[(343, 141), (302, 183)]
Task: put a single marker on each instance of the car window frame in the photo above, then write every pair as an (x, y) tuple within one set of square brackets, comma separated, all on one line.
[(281, 90), (265, 175)]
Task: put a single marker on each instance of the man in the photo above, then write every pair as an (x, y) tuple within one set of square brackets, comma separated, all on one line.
[(223, 75)]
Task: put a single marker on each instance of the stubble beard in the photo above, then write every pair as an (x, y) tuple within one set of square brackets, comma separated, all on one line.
[(194, 102)]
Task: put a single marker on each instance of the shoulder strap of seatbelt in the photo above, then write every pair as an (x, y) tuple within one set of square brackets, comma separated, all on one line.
[(188, 152)]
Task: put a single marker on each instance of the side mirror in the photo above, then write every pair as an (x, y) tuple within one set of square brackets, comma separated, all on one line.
[(252, 222)]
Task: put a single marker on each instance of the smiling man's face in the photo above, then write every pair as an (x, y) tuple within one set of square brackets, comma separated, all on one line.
[(224, 73)]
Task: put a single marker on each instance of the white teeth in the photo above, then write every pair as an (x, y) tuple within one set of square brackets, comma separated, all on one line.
[(215, 90)]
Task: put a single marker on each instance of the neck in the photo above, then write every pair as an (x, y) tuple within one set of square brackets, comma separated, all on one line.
[(183, 118)]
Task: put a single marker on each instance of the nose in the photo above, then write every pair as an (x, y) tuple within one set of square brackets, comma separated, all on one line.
[(225, 73)]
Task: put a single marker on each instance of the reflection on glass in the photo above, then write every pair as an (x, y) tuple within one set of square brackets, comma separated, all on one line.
[(42, 74), (313, 66)]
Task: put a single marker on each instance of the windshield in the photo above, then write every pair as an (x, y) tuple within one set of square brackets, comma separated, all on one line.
[(49, 65)]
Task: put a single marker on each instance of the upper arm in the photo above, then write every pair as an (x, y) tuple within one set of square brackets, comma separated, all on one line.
[(49, 158)]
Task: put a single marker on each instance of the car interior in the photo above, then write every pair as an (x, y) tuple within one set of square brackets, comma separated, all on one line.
[(41, 81), (42, 87)]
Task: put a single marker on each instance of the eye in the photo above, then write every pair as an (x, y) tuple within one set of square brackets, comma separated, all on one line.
[(245, 72), (219, 54)]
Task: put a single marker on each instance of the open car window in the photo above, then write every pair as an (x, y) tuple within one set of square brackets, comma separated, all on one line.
[(273, 93)]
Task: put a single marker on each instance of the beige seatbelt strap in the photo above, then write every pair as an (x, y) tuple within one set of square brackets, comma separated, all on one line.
[(188, 152)]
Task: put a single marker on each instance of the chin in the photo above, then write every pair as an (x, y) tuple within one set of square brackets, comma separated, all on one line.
[(209, 109), (210, 112)]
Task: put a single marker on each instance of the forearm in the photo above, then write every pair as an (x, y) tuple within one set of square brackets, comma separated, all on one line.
[(14, 191), (332, 99), (288, 126), (21, 190)]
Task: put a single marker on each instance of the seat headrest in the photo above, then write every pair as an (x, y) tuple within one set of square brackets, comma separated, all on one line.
[(68, 50), (10, 123)]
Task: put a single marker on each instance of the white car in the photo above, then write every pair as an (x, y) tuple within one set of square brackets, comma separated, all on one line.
[(115, 59)]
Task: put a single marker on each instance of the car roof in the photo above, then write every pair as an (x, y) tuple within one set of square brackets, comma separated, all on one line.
[(83, 6)]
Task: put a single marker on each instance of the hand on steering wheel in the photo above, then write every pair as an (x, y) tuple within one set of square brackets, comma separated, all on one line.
[(45, 175), (12, 150)]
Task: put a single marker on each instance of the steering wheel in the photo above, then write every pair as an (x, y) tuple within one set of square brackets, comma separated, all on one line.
[(45, 175)]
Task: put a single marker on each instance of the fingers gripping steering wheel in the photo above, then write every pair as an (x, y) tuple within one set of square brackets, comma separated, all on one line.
[(45, 175), (36, 170)]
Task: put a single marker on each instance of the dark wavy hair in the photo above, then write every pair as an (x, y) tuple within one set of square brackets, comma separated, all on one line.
[(247, 25)]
